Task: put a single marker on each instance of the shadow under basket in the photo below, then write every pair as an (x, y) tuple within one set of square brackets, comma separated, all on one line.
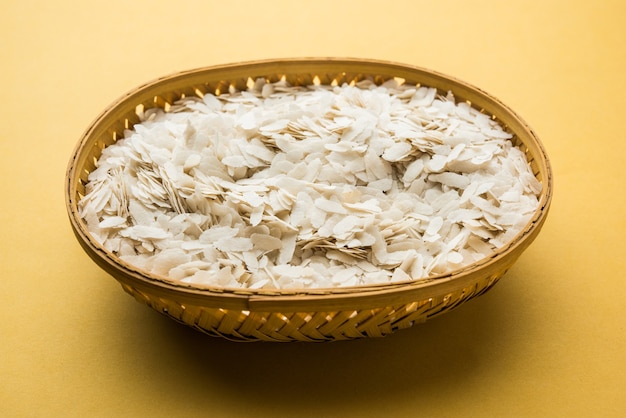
[(305, 314)]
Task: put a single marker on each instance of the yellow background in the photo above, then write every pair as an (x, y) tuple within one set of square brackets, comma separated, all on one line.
[(549, 340)]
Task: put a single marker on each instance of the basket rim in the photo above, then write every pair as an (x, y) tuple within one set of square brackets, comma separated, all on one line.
[(261, 297)]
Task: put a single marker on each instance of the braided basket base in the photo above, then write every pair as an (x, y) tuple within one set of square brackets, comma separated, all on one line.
[(238, 325)]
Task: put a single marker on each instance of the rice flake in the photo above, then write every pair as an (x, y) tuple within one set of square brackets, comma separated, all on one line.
[(284, 186)]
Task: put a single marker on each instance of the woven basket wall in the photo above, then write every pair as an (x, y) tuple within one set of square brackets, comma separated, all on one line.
[(305, 315)]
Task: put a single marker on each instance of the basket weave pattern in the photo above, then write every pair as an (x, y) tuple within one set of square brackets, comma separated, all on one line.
[(241, 325), (306, 315)]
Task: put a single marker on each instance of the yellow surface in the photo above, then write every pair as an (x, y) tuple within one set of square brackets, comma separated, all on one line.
[(549, 340)]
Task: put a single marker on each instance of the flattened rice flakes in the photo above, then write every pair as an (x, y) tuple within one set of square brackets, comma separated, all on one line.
[(319, 186)]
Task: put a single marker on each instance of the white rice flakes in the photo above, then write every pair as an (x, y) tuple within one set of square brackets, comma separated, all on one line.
[(303, 187)]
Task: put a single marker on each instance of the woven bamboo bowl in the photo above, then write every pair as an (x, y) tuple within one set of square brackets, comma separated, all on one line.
[(308, 314)]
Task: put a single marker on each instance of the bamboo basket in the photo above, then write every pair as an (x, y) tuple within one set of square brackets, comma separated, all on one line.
[(307, 314)]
